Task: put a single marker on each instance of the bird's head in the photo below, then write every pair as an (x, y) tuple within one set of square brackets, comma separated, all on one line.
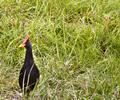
[(26, 42)]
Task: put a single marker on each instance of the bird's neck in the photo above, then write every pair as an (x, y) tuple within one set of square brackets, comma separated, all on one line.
[(29, 56)]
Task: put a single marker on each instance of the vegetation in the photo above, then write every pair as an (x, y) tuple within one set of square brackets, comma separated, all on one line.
[(76, 45)]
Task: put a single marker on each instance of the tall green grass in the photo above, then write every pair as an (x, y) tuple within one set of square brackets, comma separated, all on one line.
[(76, 45)]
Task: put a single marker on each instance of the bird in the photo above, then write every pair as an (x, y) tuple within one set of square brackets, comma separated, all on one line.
[(29, 73)]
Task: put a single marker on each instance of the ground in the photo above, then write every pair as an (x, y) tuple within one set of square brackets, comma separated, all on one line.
[(76, 46)]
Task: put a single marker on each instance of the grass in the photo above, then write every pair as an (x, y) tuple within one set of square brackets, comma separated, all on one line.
[(76, 45)]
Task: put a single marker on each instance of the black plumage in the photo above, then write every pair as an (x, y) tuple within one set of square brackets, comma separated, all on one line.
[(29, 74)]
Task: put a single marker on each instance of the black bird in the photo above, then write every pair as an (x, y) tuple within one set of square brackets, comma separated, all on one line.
[(29, 74)]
